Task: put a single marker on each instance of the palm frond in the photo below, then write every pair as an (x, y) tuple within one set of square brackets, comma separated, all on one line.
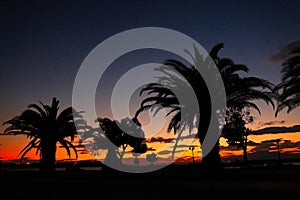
[(39, 109), (215, 50), (28, 147)]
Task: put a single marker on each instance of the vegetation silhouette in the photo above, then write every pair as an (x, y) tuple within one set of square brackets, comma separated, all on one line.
[(152, 158), (163, 95), (240, 94), (288, 89), (115, 137), (192, 148), (136, 160), (235, 130), (45, 127)]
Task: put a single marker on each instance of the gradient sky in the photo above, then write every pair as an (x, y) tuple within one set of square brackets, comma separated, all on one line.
[(43, 43)]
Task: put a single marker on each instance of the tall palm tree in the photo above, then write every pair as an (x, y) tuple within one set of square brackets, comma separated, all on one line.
[(289, 88), (45, 127), (177, 81), (240, 92)]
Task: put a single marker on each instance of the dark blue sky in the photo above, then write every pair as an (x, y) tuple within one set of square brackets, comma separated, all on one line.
[(43, 43)]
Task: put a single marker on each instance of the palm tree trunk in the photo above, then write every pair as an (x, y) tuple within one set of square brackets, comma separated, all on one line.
[(48, 159), (111, 161), (211, 163)]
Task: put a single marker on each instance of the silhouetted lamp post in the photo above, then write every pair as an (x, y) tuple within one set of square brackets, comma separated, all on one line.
[(278, 150), (192, 149)]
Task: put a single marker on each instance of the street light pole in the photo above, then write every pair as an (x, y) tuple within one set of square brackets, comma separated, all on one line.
[(192, 149), (278, 150)]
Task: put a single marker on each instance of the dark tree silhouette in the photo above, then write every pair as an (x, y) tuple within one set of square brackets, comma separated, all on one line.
[(183, 116), (289, 88), (240, 93), (152, 158), (164, 97), (235, 130), (114, 135), (132, 135), (136, 160), (44, 126)]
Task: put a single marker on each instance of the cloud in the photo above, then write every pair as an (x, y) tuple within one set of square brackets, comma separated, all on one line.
[(267, 149), (271, 146), (271, 123), (289, 144), (230, 148), (83, 151), (252, 144), (161, 139), (284, 51), (171, 140), (166, 152), (150, 149), (276, 129), (193, 135), (185, 146)]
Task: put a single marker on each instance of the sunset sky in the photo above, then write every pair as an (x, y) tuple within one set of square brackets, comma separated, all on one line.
[(43, 44)]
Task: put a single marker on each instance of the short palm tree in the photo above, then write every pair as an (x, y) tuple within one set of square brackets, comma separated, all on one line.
[(45, 127), (289, 88)]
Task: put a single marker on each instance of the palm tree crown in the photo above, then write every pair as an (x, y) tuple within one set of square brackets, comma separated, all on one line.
[(289, 88), (240, 91), (45, 126)]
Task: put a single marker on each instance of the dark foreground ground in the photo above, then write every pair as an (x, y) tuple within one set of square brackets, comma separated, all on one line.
[(172, 182)]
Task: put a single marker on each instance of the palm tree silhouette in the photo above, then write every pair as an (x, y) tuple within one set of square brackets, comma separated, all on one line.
[(165, 97), (289, 88), (44, 126), (240, 93)]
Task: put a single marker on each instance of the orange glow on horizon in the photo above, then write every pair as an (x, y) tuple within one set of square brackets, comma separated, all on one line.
[(12, 145)]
